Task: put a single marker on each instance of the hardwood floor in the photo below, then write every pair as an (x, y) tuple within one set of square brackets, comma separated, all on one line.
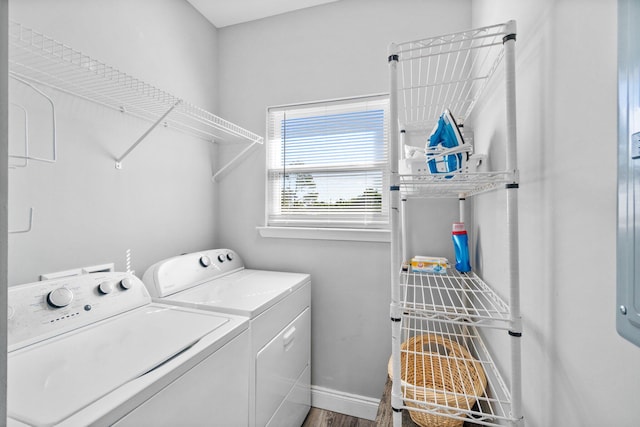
[(321, 418), (384, 417)]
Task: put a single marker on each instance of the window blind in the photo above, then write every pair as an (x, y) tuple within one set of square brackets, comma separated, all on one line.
[(327, 164)]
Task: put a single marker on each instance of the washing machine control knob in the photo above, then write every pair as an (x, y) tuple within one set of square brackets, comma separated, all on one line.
[(60, 297), (205, 261), (105, 288), (230, 256), (221, 258), (126, 283)]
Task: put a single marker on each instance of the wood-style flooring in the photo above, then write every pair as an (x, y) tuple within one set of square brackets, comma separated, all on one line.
[(321, 418), (384, 418)]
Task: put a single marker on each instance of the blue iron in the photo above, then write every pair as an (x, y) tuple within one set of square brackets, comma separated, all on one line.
[(446, 150)]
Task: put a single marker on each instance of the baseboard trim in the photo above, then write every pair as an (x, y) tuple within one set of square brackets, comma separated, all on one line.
[(344, 403)]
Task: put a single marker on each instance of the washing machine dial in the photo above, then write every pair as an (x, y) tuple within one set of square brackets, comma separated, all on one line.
[(230, 256), (221, 258), (105, 288), (126, 283), (205, 261), (60, 297)]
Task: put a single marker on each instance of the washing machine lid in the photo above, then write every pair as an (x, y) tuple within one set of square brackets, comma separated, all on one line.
[(50, 381), (246, 292)]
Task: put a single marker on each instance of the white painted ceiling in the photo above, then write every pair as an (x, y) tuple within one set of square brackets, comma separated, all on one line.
[(222, 13)]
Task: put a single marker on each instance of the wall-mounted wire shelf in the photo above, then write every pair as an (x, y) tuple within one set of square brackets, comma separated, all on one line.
[(453, 185), (453, 297), (40, 59), (491, 408)]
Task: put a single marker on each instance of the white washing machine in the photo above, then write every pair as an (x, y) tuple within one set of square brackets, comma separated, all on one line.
[(95, 350), (278, 305)]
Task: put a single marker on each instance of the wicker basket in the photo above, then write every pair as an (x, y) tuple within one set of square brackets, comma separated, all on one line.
[(443, 372)]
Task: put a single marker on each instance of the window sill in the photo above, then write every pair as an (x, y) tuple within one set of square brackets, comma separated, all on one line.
[(347, 234)]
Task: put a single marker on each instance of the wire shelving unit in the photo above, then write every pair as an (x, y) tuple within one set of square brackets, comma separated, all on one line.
[(37, 58), (427, 76)]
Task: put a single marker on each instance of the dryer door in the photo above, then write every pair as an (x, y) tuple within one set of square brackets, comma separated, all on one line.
[(279, 365)]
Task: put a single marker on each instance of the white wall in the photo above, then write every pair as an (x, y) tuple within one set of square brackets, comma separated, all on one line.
[(332, 51), (577, 371), (87, 212)]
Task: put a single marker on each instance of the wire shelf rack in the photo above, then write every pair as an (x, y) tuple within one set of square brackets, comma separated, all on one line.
[(455, 184), (38, 58), (429, 391), (454, 297), (449, 71), (427, 77)]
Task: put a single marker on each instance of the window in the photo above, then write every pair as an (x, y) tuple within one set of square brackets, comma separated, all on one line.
[(327, 164)]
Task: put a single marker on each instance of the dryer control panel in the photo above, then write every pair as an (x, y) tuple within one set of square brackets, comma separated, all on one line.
[(42, 310), (186, 271)]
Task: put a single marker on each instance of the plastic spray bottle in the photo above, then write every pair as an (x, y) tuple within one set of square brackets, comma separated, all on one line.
[(461, 246)]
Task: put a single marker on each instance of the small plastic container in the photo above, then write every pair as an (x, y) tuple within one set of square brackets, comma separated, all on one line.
[(429, 264), (461, 247)]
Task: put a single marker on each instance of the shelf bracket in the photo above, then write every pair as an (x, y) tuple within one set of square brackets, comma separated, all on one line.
[(232, 161), (27, 157), (28, 229), (144, 135), (26, 139)]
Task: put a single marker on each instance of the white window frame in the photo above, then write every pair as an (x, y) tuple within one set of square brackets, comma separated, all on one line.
[(330, 226)]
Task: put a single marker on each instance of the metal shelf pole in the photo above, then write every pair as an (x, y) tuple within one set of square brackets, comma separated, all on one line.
[(395, 311), (403, 202), (512, 225)]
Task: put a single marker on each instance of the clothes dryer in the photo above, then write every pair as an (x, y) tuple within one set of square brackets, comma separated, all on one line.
[(279, 306)]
